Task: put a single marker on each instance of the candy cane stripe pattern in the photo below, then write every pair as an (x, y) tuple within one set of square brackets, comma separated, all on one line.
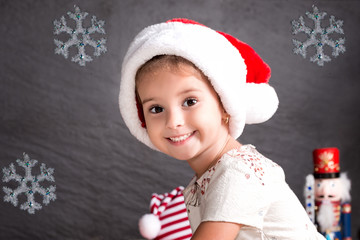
[(168, 217)]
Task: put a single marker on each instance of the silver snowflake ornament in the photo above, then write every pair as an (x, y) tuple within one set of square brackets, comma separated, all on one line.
[(28, 184), (79, 37), (318, 36)]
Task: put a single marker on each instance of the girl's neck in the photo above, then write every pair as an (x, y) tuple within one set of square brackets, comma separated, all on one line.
[(200, 166)]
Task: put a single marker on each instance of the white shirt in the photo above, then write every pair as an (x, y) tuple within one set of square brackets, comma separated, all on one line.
[(246, 188)]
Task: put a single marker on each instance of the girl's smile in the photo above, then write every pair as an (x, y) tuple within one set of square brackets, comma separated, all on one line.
[(181, 139)]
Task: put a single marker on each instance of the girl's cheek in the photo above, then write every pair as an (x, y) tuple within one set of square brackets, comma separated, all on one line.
[(154, 121)]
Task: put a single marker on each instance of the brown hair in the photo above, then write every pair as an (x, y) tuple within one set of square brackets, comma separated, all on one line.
[(170, 62)]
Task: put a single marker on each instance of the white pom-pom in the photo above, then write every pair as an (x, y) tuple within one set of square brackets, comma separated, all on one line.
[(149, 226), (262, 102)]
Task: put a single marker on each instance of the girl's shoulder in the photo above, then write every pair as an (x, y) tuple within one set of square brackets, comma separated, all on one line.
[(246, 159), (248, 155)]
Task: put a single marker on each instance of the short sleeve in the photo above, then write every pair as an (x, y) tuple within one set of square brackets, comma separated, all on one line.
[(236, 193)]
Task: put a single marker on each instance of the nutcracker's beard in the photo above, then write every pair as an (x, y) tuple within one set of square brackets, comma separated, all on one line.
[(326, 216)]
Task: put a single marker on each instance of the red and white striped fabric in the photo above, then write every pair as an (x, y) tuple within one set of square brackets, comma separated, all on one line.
[(171, 210)]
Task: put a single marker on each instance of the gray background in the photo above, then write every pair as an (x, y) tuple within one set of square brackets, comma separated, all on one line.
[(67, 116)]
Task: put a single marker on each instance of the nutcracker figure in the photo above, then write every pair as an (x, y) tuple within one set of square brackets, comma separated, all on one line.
[(327, 194)]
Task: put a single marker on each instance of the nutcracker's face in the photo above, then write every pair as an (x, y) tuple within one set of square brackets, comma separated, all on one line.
[(328, 189)]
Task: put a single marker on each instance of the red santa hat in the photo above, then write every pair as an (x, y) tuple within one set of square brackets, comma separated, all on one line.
[(168, 218), (237, 73)]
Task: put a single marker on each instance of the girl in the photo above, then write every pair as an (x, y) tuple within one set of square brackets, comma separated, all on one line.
[(187, 91)]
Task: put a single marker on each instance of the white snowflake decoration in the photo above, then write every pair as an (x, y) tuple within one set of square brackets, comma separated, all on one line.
[(29, 184), (318, 37), (79, 37)]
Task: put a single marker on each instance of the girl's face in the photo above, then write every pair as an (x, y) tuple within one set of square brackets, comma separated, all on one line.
[(184, 117)]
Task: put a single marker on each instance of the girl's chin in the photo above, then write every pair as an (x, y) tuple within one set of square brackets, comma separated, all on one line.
[(182, 155)]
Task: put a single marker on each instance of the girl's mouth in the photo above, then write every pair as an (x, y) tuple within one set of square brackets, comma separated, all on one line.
[(182, 138)]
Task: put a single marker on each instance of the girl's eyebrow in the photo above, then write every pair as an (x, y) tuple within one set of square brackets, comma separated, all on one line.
[(180, 93), (147, 100), (189, 90)]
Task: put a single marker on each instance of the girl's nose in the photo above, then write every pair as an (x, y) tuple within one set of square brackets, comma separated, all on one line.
[(175, 119)]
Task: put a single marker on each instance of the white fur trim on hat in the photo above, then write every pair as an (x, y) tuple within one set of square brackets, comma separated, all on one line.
[(214, 55)]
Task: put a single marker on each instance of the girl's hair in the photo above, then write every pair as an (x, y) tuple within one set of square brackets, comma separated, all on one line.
[(169, 62)]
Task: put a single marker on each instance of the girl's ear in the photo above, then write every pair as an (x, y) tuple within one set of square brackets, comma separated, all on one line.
[(225, 117)]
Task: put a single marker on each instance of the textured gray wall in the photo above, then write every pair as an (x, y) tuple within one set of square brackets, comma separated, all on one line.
[(67, 116)]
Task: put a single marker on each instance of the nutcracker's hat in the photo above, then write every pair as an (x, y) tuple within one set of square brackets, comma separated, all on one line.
[(326, 163)]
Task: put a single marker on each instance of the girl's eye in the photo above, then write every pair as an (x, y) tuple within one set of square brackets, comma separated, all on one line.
[(190, 102), (156, 109)]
